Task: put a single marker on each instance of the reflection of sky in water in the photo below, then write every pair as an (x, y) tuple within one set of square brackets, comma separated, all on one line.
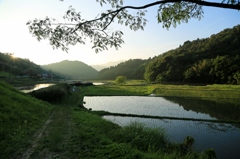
[(39, 86), (224, 138), (156, 106), (36, 87)]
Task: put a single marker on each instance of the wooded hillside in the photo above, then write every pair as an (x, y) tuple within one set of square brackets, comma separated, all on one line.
[(17, 66), (72, 69), (132, 69), (211, 60)]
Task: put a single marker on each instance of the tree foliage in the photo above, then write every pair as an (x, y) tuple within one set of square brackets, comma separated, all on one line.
[(75, 29), (72, 69), (17, 66), (121, 80), (132, 69), (211, 60)]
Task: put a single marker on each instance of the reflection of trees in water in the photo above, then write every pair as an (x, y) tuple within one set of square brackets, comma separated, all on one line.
[(225, 109), (219, 127)]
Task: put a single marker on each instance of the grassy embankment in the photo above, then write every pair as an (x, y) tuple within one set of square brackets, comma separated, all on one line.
[(20, 117), (141, 88), (29, 131)]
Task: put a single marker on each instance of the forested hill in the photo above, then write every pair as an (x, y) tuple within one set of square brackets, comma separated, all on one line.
[(99, 67), (72, 69), (17, 66), (211, 60), (132, 69)]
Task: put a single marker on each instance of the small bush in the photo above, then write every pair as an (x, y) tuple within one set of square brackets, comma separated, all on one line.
[(121, 80), (52, 94)]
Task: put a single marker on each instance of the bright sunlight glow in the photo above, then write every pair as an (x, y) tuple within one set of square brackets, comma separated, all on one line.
[(154, 40)]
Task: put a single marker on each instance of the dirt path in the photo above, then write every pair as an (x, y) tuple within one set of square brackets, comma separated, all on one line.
[(37, 138), (52, 139)]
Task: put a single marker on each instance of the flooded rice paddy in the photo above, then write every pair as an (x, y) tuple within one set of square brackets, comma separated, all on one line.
[(224, 138)]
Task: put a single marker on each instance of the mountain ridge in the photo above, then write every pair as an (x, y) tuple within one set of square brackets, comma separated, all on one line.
[(208, 60), (72, 69), (99, 67), (214, 59)]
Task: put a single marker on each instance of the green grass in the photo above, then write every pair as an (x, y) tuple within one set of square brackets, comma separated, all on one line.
[(20, 117), (56, 137), (117, 90), (95, 137), (213, 91), (142, 138), (140, 88)]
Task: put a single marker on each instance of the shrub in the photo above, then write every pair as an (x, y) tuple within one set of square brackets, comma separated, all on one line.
[(52, 94), (121, 80)]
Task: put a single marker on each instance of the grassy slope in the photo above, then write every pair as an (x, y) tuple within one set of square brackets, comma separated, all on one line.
[(20, 117)]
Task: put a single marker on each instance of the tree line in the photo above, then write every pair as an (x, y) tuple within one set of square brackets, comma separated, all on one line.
[(209, 60), (132, 69)]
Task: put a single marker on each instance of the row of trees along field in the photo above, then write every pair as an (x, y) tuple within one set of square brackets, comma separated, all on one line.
[(211, 60)]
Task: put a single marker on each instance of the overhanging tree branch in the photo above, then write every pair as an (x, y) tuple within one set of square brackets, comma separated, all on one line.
[(202, 3), (76, 30)]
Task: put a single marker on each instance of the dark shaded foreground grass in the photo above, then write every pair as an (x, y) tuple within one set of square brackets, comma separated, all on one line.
[(82, 134), (21, 116), (31, 128)]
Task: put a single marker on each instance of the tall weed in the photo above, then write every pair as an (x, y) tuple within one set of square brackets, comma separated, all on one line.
[(141, 137)]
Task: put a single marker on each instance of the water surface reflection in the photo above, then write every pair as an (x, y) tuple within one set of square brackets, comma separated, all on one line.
[(155, 106), (224, 138), (27, 89)]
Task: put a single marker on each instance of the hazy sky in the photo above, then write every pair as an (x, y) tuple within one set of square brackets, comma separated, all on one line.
[(154, 40)]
